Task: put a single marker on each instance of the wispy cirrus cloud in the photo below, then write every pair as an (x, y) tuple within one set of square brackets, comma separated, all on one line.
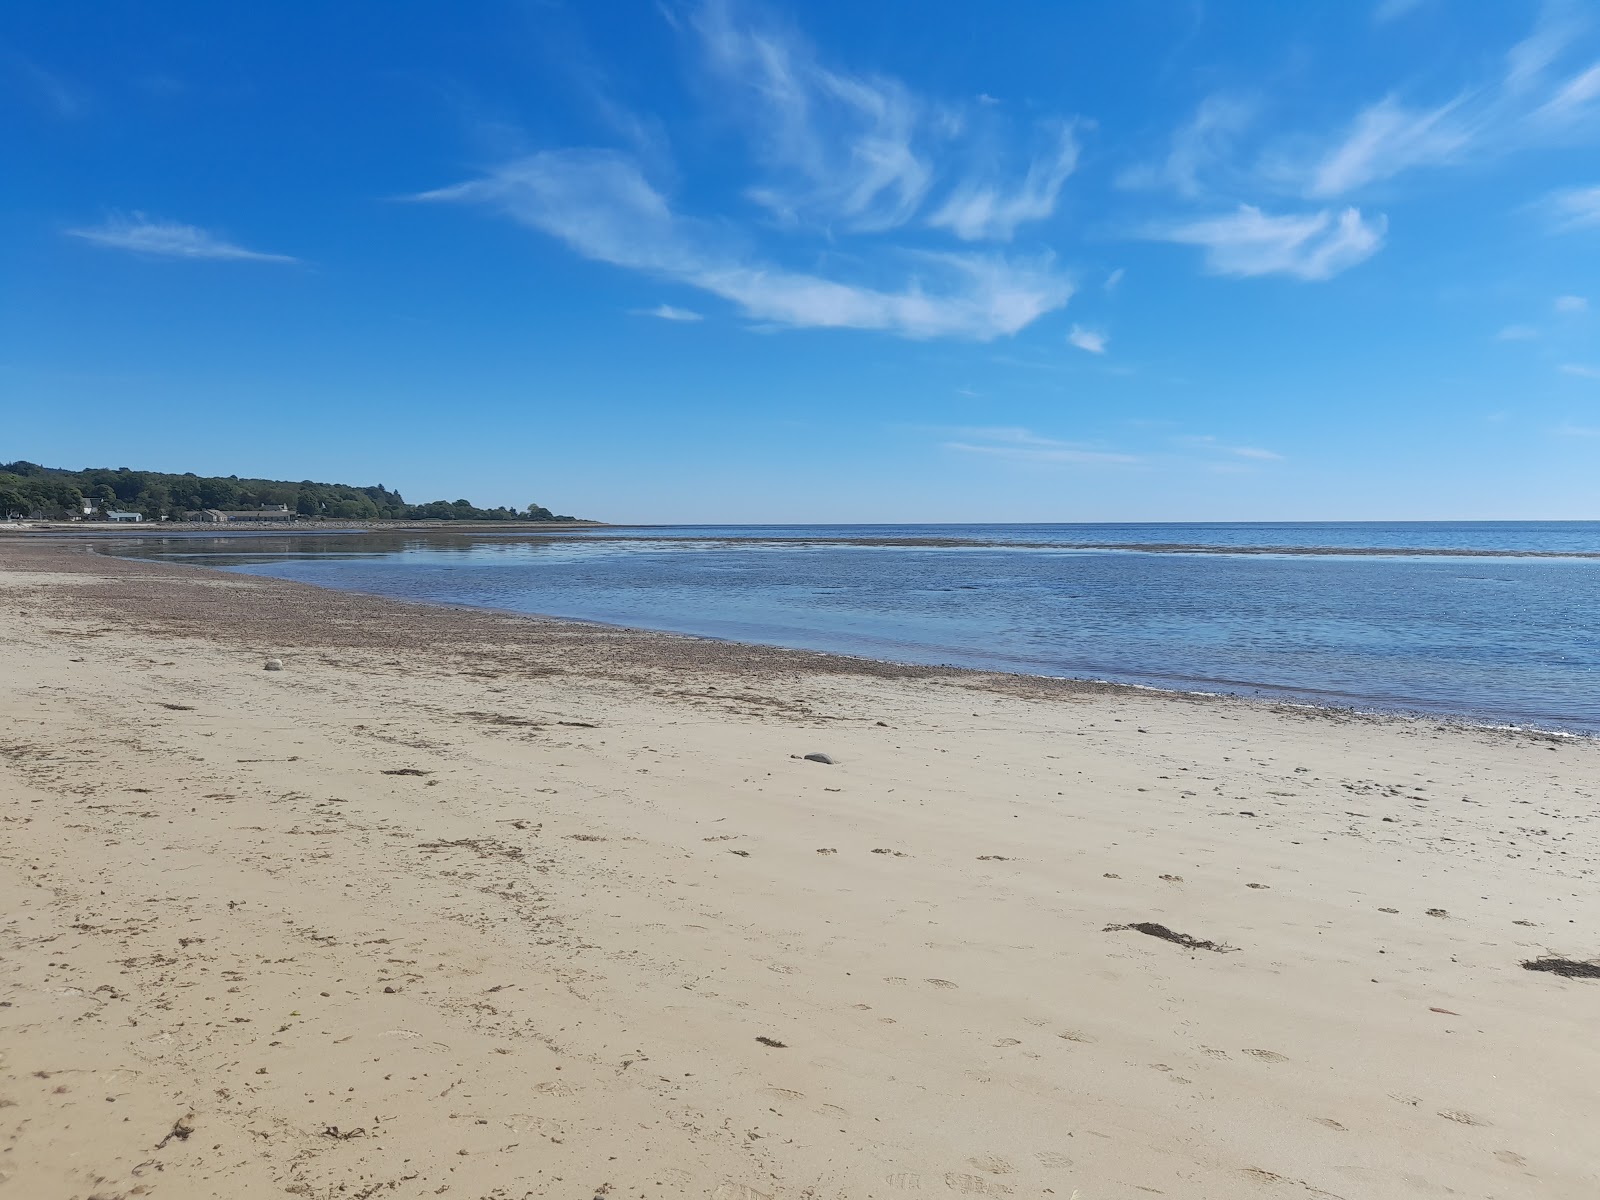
[(989, 208), (1532, 101), (1023, 445), (1572, 208), (864, 152), (669, 312), (1093, 340), (56, 94), (1570, 305), (1203, 145), (1215, 445), (1581, 370), (1544, 91), (140, 234), (1393, 10), (1385, 139), (854, 173), (1246, 242), (1517, 333), (599, 203), (838, 147)]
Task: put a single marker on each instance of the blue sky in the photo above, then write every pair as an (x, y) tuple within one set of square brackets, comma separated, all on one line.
[(729, 261)]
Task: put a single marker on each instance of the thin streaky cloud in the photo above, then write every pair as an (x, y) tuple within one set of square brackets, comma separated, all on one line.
[(1576, 431), (840, 147), (1517, 333), (1092, 340), (1202, 145), (669, 312), (1388, 138), (1572, 208), (1573, 98), (1113, 279), (1581, 370), (1045, 454), (139, 234), (599, 203), (1571, 304), (63, 99), (991, 209), (1215, 445), (1525, 104), (860, 152), (1247, 242), (1393, 10)]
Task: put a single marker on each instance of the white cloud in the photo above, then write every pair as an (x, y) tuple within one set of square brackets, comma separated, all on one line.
[(168, 239), (1092, 340), (991, 209), (1386, 139), (1571, 304), (1581, 370), (1199, 145), (841, 145), (1250, 242), (1517, 333), (1023, 445), (667, 312), (1576, 431), (862, 152), (601, 206), (1573, 99), (1113, 279), (1573, 208), (63, 99), (1393, 10), (1526, 104), (1210, 442)]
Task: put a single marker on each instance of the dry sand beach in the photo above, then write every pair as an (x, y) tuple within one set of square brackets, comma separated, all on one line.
[(476, 905)]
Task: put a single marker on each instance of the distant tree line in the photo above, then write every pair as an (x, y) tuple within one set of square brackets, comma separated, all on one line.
[(51, 493)]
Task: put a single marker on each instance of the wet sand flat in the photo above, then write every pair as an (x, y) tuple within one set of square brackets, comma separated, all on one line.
[(476, 905)]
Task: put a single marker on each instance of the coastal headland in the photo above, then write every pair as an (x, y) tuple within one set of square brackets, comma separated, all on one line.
[(473, 904)]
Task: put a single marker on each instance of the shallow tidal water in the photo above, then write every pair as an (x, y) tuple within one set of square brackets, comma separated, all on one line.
[(1493, 621)]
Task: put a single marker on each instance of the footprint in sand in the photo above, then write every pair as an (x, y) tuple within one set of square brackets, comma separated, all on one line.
[(908, 1181), (940, 983), (1329, 1122), (1271, 1056), (739, 1191), (974, 1185), (1462, 1118), (1510, 1158), (1072, 1035), (897, 980), (992, 1163), (784, 1093), (1002, 1042), (1053, 1159)]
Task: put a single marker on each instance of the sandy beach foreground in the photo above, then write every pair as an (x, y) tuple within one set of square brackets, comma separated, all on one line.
[(475, 905)]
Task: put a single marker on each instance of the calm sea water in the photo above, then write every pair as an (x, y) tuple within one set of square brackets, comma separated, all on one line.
[(1501, 622)]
